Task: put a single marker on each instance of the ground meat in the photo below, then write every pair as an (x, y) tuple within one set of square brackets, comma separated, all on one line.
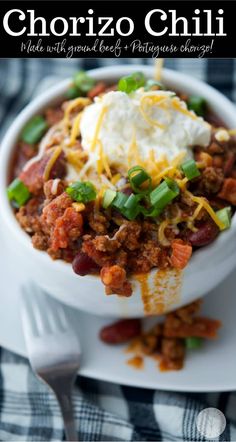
[(211, 180), (106, 244), (129, 235), (53, 115), (138, 264), (40, 241), (229, 164), (121, 258), (228, 191), (173, 348), (67, 228), (29, 215), (218, 161), (114, 278), (172, 354), (199, 327), (148, 257), (215, 148), (152, 252), (55, 209), (100, 258), (125, 290), (53, 188), (98, 223), (187, 312)]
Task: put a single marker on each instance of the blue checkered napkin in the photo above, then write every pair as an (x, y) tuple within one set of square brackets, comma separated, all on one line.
[(104, 411)]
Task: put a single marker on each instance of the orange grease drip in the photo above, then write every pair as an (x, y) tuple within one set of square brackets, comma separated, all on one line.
[(162, 293), (136, 362)]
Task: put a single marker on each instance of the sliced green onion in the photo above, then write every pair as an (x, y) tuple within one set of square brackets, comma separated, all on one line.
[(224, 216), (197, 104), (119, 200), (193, 343), (164, 194), (130, 83), (137, 176), (153, 83), (190, 169), (18, 192), (132, 201), (172, 185), (72, 92), (139, 77), (153, 212), (127, 84), (34, 130), (108, 197), (82, 192), (132, 212), (83, 82)]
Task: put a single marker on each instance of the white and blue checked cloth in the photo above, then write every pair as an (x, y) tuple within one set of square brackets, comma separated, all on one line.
[(104, 411)]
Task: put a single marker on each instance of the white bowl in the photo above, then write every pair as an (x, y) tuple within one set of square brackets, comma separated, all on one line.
[(207, 267)]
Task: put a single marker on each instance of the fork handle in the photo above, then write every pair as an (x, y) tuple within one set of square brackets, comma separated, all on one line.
[(65, 402)]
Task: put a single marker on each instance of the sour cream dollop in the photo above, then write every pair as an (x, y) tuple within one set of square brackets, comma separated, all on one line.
[(156, 120)]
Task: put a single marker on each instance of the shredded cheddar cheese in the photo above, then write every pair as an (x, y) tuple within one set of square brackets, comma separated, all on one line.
[(76, 157), (161, 233), (57, 151), (75, 131), (177, 106), (133, 152), (152, 100), (73, 104), (116, 178), (102, 162), (182, 183), (201, 200), (97, 129)]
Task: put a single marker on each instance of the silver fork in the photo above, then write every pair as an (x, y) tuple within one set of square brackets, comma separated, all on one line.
[(53, 349)]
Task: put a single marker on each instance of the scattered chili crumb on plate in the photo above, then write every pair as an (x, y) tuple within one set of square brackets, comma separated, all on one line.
[(166, 342)]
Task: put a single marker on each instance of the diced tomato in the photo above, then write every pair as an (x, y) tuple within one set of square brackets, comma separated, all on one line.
[(181, 254)]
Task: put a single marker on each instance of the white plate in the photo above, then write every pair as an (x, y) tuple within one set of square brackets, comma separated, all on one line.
[(213, 368)]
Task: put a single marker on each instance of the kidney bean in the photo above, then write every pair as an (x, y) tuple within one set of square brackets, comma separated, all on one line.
[(206, 233), (84, 265), (121, 331)]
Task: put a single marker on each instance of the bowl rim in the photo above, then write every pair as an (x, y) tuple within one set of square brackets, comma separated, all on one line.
[(200, 257)]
